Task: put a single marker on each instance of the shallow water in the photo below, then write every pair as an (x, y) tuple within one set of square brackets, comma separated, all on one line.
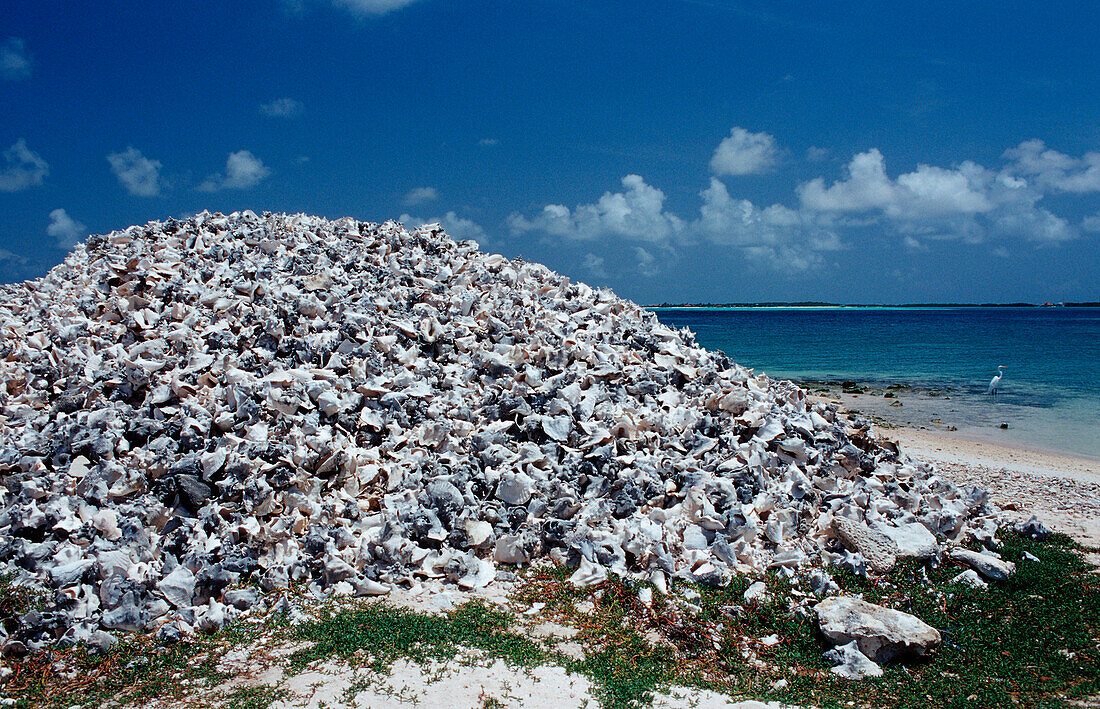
[(1048, 395)]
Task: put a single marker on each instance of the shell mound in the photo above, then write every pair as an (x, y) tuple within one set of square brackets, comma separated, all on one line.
[(192, 405)]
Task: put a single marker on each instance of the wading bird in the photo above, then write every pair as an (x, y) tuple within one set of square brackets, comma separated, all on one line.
[(995, 382)]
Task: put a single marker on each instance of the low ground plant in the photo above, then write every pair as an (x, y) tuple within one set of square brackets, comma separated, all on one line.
[(1032, 641)]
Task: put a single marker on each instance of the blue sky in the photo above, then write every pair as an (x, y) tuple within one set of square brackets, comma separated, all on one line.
[(685, 150)]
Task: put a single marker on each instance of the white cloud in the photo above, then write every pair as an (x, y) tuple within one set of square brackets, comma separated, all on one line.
[(739, 222), (282, 108), (635, 213), (458, 228), (867, 187), (935, 191), (373, 7), (137, 173), (23, 168), (967, 202), (816, 154), (775, 236), (1053, 170), (65, 229), (594, 265), (15, 63), (420, 195), (744, 153), (645, 261), (488, 142), (1025, 221), (243, 171)]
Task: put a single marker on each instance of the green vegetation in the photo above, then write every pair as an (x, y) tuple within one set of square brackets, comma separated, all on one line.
[(259, 697), (385, 634), (17, 599), (1033, 641), (134, 670)]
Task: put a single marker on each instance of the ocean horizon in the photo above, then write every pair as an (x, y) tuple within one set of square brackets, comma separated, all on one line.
[(1047, 397)]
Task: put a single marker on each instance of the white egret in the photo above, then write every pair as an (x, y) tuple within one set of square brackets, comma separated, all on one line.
[(995, 382)]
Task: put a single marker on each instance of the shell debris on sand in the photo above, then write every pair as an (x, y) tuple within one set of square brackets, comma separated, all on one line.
[(193, 404)]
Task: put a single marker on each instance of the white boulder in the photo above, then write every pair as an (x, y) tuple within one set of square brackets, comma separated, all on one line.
[(881, 633)]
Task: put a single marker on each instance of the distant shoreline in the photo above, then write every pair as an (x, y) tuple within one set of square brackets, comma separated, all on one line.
[(945, 413), (811, 305)]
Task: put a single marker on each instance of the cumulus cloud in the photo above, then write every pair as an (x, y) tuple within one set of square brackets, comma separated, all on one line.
[(744, 153), (243, 171), (1053, 170), (935, 191), (22, 168), (774, 235), (867, 187), (1025, 221), (966, 202), (65, 229), (488, 142), (137, 173), (594, 265), (635, 213), (15, 63), (373, 7), (282, 108), (738, 222), (420, 195), (458, 228), (816, 154), (646, 262)]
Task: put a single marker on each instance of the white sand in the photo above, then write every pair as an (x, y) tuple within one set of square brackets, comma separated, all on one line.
[(1063, 491), (469, 681)]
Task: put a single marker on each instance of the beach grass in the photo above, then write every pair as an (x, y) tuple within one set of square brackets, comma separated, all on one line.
[(1032, 641)]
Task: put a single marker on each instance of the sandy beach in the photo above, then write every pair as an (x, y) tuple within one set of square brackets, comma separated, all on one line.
[(1063, 491)]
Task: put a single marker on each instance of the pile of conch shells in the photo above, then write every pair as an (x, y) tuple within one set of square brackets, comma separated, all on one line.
[(190, 406)]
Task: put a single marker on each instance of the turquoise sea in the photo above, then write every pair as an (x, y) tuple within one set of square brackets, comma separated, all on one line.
[(1048, 396)]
